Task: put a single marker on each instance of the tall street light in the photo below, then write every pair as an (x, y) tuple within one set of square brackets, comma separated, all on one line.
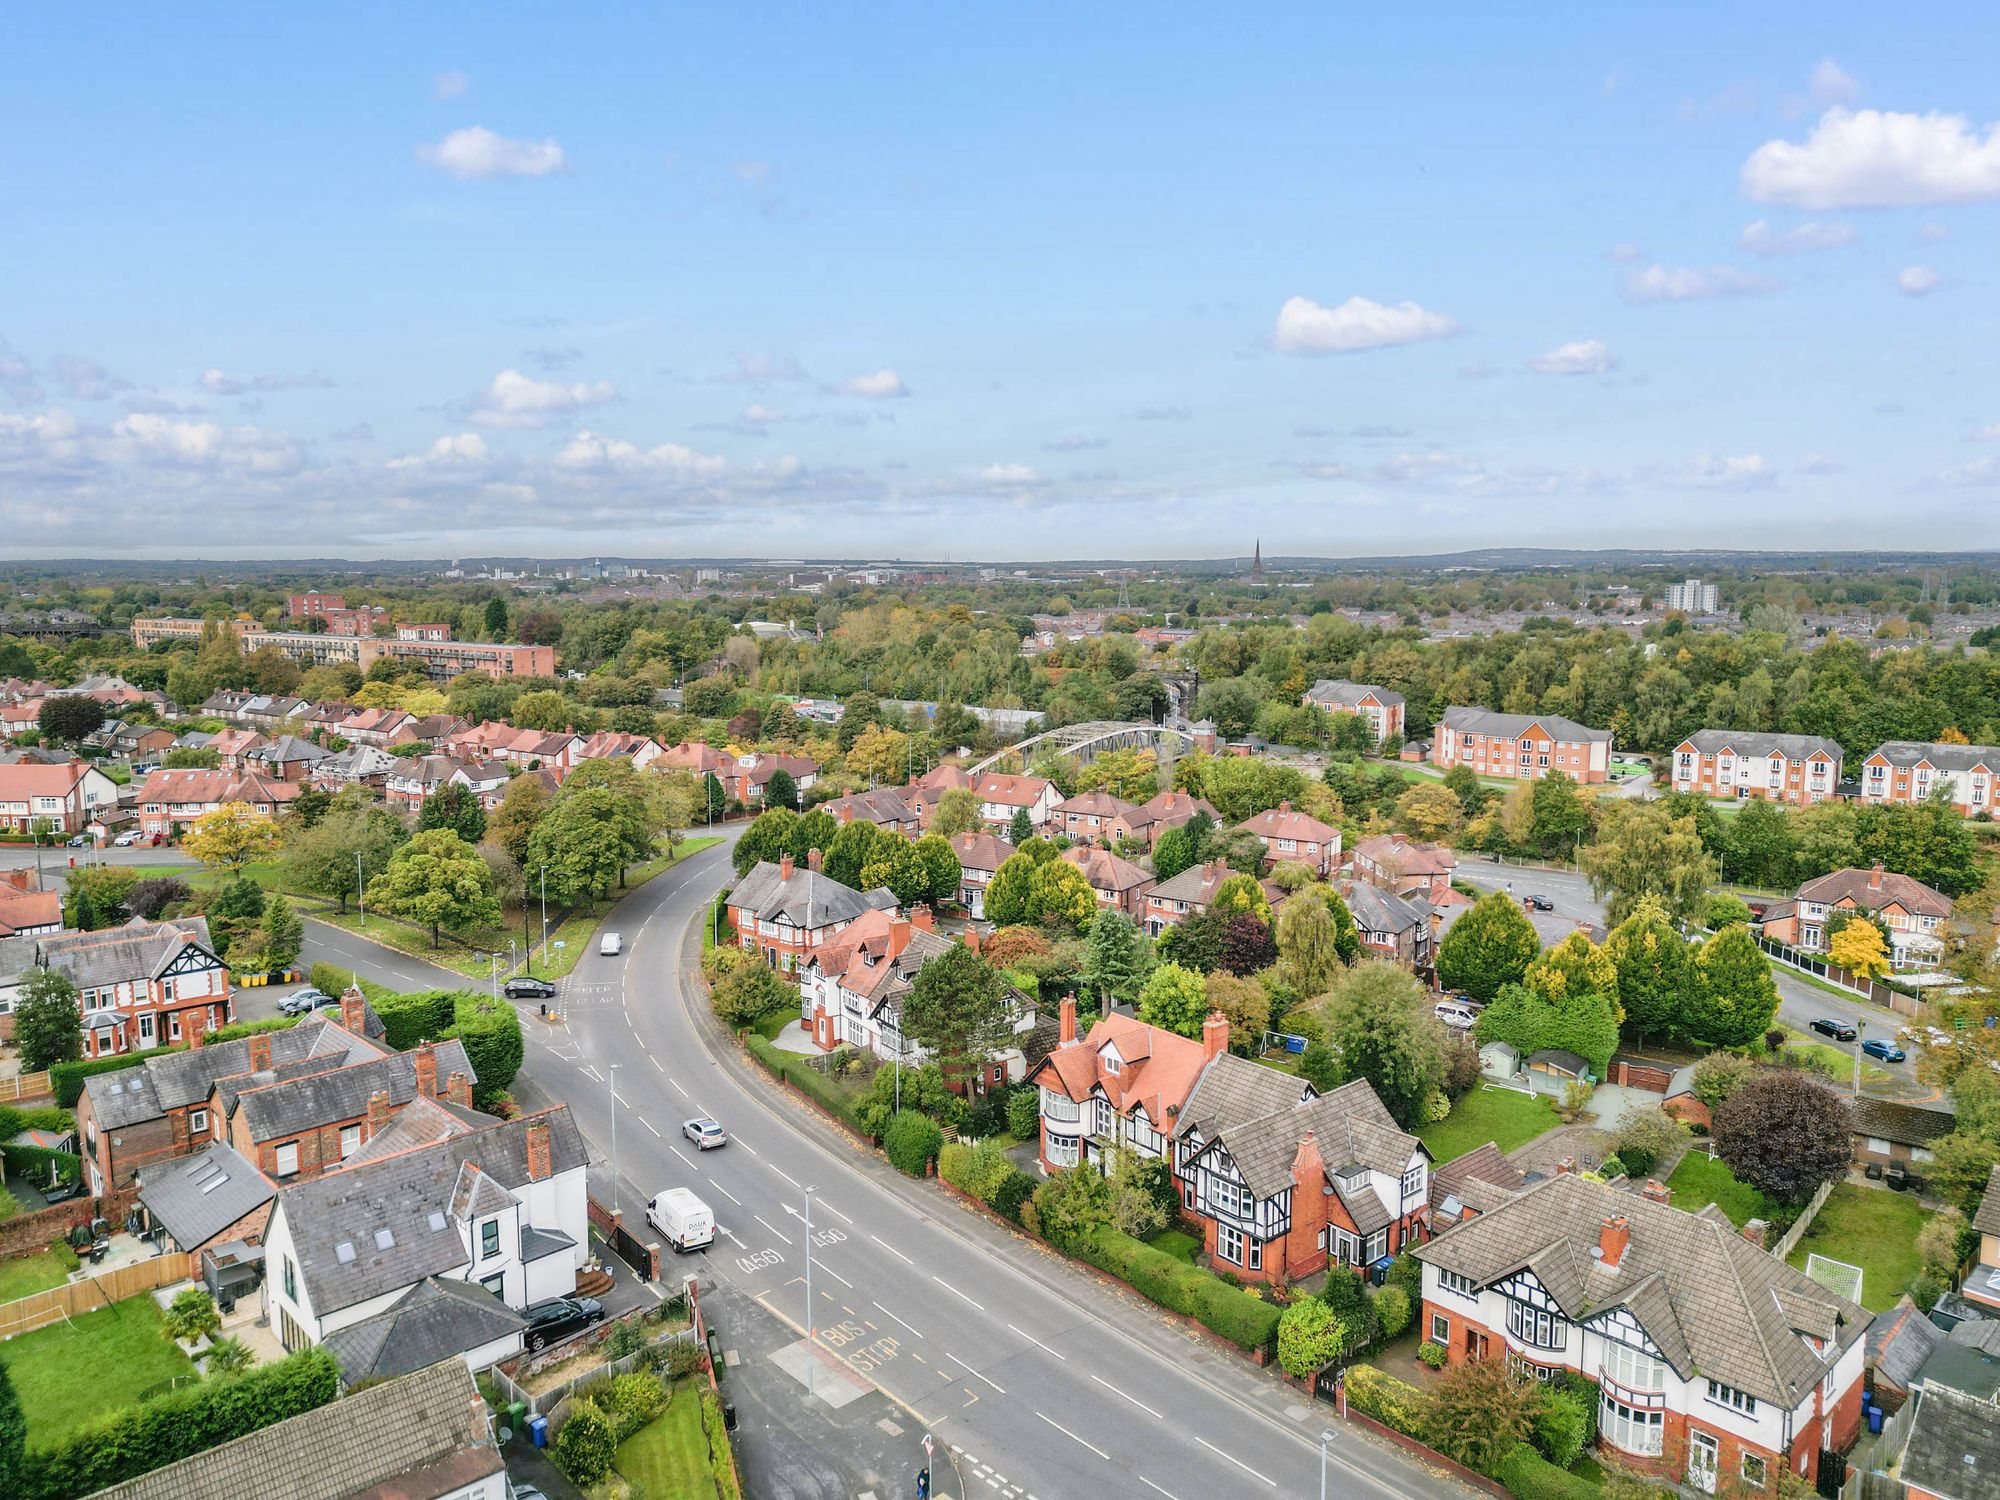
[(1325, 1437), (611, 1088), (360, 889)]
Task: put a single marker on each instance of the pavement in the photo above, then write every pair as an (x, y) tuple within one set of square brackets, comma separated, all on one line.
[(1037, 1377)]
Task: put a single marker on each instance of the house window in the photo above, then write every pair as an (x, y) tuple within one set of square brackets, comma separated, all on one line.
[(1106, 1121), (1729, 1396), (1187, 1196), (1256, 1249), (489, 1238), (1378, 1245), (350, 1140), (1633, 1369), (1755, 1470), (1536, 1326), (1634, 1429), (1112, 1064), (288, 1159), (497, 1285), (291, 1280), (1465, 1286), (1229, 1244), (198, 1122), (174, 1026), (1413, 1183), (1440, 1329)]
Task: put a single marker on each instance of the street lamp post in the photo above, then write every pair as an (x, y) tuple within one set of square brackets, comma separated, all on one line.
[(811, 1358), (545, 914), (1325, 1437)]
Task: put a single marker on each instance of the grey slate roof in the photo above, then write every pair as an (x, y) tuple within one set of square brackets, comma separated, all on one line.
[(1333, 692), (1512, 726), (426, 1432), (809, 896), (1561, 1060), (291, 1106), (1350, 1128), (138, 950), (1375, 909), (536, 1243), (1909, 1124), (17, 956), (422, 1122), (1232, 1090), (186, 1077), (1953, 1448), (476, 1196), (399, 1194), (1708, 1298), (123, 1097), (1477, 1180), (1986, 1219), (1790, 746), (438, 1318), (1908, 753), (197, 1197), (289, 748), (1899, 1341)]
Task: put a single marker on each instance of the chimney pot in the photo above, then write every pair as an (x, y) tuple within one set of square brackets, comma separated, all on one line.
[(1566, 1166), (1285, 806), (354, 1010), (426, 1068), (1875, 878), (814, 859), (458, 1089), (1068, 1013), (1656, 1191), (1215, 1034), (1612, 1238), (260, 1053), (1754, 1232), (378, 1112), (921, 918)]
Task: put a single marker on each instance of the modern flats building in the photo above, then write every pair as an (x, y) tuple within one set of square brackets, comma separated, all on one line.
[(1797, 768), (1381, 708), (1717, 1363), (1521, 747), (1903, 771)]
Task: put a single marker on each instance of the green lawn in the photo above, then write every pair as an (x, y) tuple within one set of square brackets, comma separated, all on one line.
[(1173, 1242), (669, 1455), (68, 1373), (1698, 1182), (1501, 1116), (30, 1274), (1874, 1229), (1838, 1059)]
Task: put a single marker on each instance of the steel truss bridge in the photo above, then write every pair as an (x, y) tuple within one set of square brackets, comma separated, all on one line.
[(1083, 743)]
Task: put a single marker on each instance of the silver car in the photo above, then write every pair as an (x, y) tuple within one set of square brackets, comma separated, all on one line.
[(704, 1133)]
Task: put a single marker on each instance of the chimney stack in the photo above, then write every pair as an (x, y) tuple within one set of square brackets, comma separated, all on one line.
[(814, 859), (899, 934), (537, 1141), (1308, 1167), (1068, 1032), (1612, 1238), (354, 1010), (378, 1112), (921, 918), (458, 1089), (1566, 1166), (260, 1052), (784, 867), (1215, 1034), (1655, 1191), (427, 1068), (1754, 1232), (1285, 806), (1875, 878)]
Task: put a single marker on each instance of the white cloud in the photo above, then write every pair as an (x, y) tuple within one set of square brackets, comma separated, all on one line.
[(761, 369), (1075, 443), (451, 85), (1832, 84), (1305, 327), (1761, 239), (590, 454), (218, 384), (1917, 281), (760, 415), (882, 385), (1578, 357), (85, 379), (47, 438), (1693, 283), (1930, 234), (1624, 254), (1979, 471), (461, 450), (1749, 471), (1877, 159), (517, 400), (1009, 476), (476, 152), (1990, 433), (17, 376), (144, 437)]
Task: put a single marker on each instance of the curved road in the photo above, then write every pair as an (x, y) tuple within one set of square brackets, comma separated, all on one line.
[(1045, 1381)]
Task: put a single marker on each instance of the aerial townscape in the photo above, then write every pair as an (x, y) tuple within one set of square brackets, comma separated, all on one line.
[(1038, 753)]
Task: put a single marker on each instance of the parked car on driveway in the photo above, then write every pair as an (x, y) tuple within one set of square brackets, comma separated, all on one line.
[(561, 1318), (301, 1002), (528, 987), (1538, 903), (1457, 1017), (78, 840), (1887, 1051), (128, 838), (704, 1133), (1839, 1030)]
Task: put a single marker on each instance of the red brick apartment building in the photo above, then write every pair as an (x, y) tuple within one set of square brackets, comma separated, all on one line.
[(1523, 747), (1797, 768), (1901, 771)]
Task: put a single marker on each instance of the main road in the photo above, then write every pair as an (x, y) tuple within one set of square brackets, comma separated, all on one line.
[(1045, 1380)]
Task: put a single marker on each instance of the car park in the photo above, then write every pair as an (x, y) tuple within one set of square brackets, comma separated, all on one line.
[(300, 1002), (704, 1133), (561, 1318), (528, 987), (1887, 1051), (1839, 1030)]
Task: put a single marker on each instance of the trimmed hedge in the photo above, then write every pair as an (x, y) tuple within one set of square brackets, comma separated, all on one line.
[(1529, 1476), (1246, 1321), (32, 1163), (912, 1142), (66, 1078), (43, 1117), (422, 1016), (490, 1032), (170, 1427), (330, 978), (235, 1031), (809, 1081)]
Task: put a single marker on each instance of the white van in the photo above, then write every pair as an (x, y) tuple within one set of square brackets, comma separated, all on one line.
[(1457, 1017), (684, 1220), (611, 945)]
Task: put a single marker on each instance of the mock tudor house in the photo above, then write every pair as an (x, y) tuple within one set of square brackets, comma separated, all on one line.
[(1902, 771), (68, 795), (488, 781), (1797, 768), (1524, 747), (1382, 709), (418, 778), (1399, 929), (287, 758), (1118, 884), (1403, 865), (980, 855), (1717, 1363), (141, 985), (502, 1206), (746, 778), (1002, 795), (1123, 1084), (1914, 913), (784, 913), (1289, 836)]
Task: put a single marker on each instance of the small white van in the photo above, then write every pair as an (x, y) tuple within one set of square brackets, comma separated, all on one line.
[(1457, 1017), (682, 1219), (611, 945)]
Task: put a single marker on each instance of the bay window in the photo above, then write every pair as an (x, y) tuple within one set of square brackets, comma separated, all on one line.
[(1633, 1369), (1537, 1326), (1634, 1429)]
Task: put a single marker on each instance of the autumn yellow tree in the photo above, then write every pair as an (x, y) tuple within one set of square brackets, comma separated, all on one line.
[(1429, 811), (230, 837), (1859, 949), (881, 755)]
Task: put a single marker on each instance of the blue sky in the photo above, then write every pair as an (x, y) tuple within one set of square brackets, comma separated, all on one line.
[(920, 281)]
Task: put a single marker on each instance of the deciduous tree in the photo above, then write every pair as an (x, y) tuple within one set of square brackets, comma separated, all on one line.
[(1736, 998), (1785, 1134), (455, 806), (1575, 966), (1489, 946), (1379, 1024), (439, 880), (521, 808), (1644, 852), (765, 839), (48, 1026), (1858, 948), (1655, 970), (957, 812), (1175, 999), (230, 837)]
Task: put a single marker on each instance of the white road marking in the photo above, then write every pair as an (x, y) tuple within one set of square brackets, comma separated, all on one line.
[(677, 1087), (595, 1075), (746, 1145), (1129, 1397), (1068, 1434), (780, 1233), (727, 1194), (654, 1061), (650, 1126), (836, 1275), (620, 1098), (972, 1372), (1040, 1345), (892, 1249), (832, 1210), (789, 1178), (1155, 1488), (887, 1314), (1237, 1461), (681, 1154), (732, 1235), (956, 1292)]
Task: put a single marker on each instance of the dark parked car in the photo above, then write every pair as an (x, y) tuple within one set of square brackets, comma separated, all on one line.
[(301, 1002), (1840, 1031), (1887, 1051), (527, 987), (561, 1318), (1538, 903)]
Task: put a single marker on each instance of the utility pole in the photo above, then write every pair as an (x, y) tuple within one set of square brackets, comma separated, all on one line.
[(1325, 1437), (545, 914), (493, 982), (811, 1357), (1860, 1030)]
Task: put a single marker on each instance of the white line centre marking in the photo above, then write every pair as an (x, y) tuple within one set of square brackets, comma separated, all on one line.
[(887, 1314), (836, 1275), (832, 1210), (972, 1372), (1068, 1434), (727, 1194), (650, 1126), (1129, 1397), (677, 1087), (681, 1154), (1237, 1461), (1155, 1488), (1042, 1346), (955, 1291), (778, 1232), (892, 1249)]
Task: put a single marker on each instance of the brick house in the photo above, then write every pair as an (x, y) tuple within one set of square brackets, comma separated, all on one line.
[(129, 741), (924, 794), (170, 800), (1404, 865), (980, 855), (1189, 894), (1295, 836), (287, 758), (747, 776), (1156, 815), (885, 807), (1914, 913), (1888, 1133), (380, 727), (693, 755), (1982, 1283), (1716, 1362), (1393, 927), (1907, 772), (1797, 768), (609, 744), (488, 781), (1118, 883), (1093, 817), (416, 779), (1002, 795), (313, 602), (1524, 747), (1382, 709), (784, 913), (232, 747), (1122, 1084), (141, 985), (68, 795)]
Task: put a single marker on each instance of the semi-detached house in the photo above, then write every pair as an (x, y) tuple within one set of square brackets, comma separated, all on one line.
[(784, 913), (67, 795), (1296, 837), (1002, 795), (170, 800), (1914, 913), (141, 985)]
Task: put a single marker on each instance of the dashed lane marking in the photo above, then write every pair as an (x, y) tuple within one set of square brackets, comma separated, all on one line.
[(677, 1087), (836, 1275), (887, 1314), (727, 1194), (892, 1250), (1237, 1461), (972, 1372), (832, 1210), (1129, 1397), (650, 1126), (1156, 1489), (778, 1232), (1040, 1345), (956, 1292), (1090, 1445), (654, 1061), (682, 1155)]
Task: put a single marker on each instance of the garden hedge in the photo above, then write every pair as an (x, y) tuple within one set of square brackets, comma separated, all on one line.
[(66, 1078), (235, 1031), (42, 1117), (809, 1080), (912, 1142), (491, 1035), (170, 1427), (1394, 1403), (32, 1163), (421, 1016), (1246, 1321), (1529, 1476)]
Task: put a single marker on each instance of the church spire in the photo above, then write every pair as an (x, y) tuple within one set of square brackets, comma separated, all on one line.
[(1257, 561)]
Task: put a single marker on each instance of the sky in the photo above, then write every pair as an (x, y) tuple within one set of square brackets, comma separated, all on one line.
[(1009, 282)]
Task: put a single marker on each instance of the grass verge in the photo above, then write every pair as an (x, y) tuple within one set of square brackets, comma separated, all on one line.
[(69, 1373), (1874, 1229), (1501, 1116), (1838, 1060), (669, 1455)]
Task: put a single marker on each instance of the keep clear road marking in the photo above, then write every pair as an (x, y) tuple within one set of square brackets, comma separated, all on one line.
[(955, 1291), (1129, 1397), (778, 1232), (1043, 1347), (1237, 1461), (892, 1250), (972, 1372), (887, 1314), (1068, 1434)]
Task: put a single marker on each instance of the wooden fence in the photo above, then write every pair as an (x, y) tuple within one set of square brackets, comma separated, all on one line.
[(26, 1088), (1784, 1248), (91, 1293)]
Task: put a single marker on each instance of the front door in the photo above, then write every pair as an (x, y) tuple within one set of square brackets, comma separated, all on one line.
[(1703, 1449)]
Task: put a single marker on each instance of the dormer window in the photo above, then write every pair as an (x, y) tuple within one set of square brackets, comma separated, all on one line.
[(1113, 1063)]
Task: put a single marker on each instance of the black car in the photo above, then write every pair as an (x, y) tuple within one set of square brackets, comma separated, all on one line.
[(1840, 1031), (1538, 903), (527, 987), (561, 1318)]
